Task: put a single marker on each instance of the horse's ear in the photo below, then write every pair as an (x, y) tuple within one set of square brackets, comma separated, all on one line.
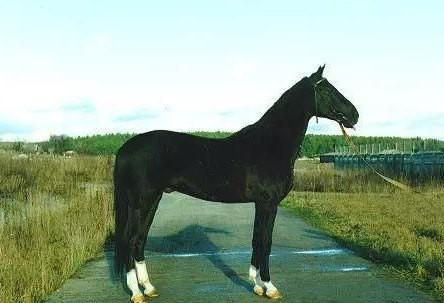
[(316, 76), (321, 70)]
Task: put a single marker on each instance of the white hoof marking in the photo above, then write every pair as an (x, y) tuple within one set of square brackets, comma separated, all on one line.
[(131, 282), (144, 280), (252, 273)]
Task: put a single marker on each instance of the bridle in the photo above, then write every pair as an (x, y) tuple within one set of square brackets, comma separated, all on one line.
[(316, 97)]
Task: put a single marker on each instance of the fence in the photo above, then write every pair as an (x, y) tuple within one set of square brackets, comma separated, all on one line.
[(416, 166), (406, 146)]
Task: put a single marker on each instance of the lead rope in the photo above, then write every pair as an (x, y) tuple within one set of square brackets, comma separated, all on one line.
[(387, 179)]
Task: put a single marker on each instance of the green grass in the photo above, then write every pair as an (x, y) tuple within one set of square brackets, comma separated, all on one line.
[(52, 220), (56, 213), (402, 231)]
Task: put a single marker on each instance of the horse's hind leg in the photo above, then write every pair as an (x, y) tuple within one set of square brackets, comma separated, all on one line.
[(148, 210), (141, 210)]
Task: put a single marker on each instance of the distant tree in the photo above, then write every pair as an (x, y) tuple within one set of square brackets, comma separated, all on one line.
[(60, 144), (313, 145), (18, 146), (44, 146)]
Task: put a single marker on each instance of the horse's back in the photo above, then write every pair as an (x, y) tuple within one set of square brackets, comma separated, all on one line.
[(211, 169)]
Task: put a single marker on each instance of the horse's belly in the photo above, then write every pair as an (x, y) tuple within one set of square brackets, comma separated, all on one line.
[(225, 198), (268, 189), (211, 189)]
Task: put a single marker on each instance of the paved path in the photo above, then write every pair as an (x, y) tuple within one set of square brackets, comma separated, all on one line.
[(199, 252)]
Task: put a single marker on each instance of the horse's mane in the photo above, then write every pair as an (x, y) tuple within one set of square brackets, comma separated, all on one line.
[(280, 108), (294, 97)]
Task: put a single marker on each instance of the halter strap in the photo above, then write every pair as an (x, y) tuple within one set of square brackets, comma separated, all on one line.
[(316, 98)]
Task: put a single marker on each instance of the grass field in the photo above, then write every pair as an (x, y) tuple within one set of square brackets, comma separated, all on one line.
[(402, 231), (55, 214)]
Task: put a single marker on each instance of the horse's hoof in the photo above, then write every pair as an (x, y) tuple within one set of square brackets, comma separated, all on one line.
[(273, 294), (258, 290), (138, 298), (152, 293)]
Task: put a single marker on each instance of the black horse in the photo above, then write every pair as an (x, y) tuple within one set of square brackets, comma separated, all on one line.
[(254, 164)]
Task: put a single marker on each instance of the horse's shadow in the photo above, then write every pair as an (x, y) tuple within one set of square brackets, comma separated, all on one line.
[(193, 239)]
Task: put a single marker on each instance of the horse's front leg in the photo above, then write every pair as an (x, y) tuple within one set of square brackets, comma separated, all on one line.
[(254, 264), (264, 223)]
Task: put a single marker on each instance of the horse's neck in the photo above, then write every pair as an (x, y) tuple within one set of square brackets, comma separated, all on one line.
[(282, 128), (287, 132)]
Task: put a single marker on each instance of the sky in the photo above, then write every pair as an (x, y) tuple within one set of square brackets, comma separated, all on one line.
[(95, 67)]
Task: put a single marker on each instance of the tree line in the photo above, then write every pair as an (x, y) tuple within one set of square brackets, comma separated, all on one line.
[(313, 145)]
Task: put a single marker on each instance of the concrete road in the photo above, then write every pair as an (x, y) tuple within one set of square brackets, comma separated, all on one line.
[(199, 251)]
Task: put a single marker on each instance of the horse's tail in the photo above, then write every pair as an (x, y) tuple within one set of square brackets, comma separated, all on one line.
[(121, 248)]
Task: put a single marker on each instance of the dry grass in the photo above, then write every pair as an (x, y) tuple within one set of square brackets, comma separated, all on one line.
[(56, 213), (311, 176), (403, 231), (53, 218)]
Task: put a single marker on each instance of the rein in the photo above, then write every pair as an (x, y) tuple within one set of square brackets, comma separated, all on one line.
[(387, 179)]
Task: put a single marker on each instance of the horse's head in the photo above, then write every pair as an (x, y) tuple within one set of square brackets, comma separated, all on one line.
[(330, 103)]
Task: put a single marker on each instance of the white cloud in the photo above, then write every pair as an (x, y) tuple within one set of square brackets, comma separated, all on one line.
[(199, 80), (54, 106)]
